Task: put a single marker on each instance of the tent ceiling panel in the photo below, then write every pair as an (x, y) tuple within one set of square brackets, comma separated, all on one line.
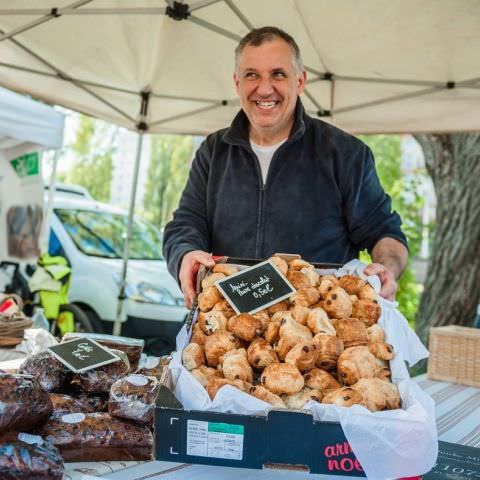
[(387, 49)]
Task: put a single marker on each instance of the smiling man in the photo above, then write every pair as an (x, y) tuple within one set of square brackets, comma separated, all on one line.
[(278, 180)]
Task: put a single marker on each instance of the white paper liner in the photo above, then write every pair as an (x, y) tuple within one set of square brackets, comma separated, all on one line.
[(388, 444)]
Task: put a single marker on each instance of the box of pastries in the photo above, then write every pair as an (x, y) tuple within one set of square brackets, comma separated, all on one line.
[(317, 379)]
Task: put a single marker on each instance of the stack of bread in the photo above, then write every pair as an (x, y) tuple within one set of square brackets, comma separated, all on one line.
[(323, 343)]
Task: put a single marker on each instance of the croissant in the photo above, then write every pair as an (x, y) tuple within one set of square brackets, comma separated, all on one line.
[(337, 303), (298, 279), (300, 314), (297, 401), (260, 354), (217, 344), (204, 374), (281, 264), (197, 335), (193, 356), (306, 297), (375, 334), (321, 380), (303, 355), (225, 268), (351, 284), (224, 307), (343, 397), (378, 394), (208, 298), (235, 366), (210, 280), (356, 363), (318, 322), (267, 396), (245, 326), (215, 384), (351, 331), (381, 350), (212, 321), (367, 311), (282, 378), (329, 348), (312, 275)]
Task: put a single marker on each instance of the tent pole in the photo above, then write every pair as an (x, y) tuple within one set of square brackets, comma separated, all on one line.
[(117, 327), (48, 208)]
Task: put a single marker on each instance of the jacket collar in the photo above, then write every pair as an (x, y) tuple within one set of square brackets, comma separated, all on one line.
[(237, 133)]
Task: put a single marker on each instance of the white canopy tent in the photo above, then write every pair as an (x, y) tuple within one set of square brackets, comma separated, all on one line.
[(374, 66), (166, 66), (26, 126)]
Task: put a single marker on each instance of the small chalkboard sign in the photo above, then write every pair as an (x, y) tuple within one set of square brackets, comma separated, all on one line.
[(455, 462), (82, 354), (255, 288)]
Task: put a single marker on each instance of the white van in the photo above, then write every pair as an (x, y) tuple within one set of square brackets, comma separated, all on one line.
[(91, 235)]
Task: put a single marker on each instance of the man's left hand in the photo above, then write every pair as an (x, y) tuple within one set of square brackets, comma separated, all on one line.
[(387, 279)]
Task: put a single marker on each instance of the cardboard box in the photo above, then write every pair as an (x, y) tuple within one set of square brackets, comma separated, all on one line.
[(455, 355), (284, 440)]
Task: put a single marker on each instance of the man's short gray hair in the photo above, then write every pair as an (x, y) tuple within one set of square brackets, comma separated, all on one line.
[(267, 34)]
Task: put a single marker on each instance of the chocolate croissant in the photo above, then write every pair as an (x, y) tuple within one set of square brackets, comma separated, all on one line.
[(193, 356), (280, 263), (235, 366), (298, 400), (225, 268), (212, 321), (367, 311), (329, 348), (351, 331), (356, 363), (218, 344), (343, 397), (204, 374), (210, 280), (378, 394), (260, 354), (208, 298), (351, 284), (282, 378), (298, 279), (267, 396), (320, 380), (306, 297), (337, 303), (245, 326), (318, 322), (303, 355)]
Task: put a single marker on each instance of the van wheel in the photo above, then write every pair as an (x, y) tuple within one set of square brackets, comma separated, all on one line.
[(80, 318), (95, 321)]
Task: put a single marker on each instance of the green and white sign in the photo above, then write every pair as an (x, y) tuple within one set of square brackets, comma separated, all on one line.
[(26, 165), (216, 440)]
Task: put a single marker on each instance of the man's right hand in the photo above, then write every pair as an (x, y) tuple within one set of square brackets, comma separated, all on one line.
[(190, 264)]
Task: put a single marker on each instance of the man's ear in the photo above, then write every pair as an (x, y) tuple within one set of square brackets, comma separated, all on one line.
[(235, 80), (301, 82)]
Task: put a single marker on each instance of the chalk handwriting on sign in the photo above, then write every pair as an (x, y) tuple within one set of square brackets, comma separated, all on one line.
[(82, 351), (83, 354), (255, 288)]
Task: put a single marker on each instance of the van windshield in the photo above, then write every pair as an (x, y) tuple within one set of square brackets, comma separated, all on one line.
[(102, 234)]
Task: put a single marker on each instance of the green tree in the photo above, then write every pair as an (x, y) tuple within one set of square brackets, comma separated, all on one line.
[(407, 201), (93, 148), (167, 174)]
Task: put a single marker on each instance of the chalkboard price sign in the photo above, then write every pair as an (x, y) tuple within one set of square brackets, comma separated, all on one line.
[(82, 354), (255, 288)]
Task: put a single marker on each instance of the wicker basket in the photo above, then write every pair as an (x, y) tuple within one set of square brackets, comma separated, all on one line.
[(455, 355), (14, 326)]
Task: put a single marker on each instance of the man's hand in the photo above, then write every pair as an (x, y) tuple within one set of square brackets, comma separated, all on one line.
[(387, 279), (190, 264)]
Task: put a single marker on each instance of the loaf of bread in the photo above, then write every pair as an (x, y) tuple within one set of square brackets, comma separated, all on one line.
[(52, 375), (98, 437), (100, 380), (133, 398), (24, 404), (24, 456)]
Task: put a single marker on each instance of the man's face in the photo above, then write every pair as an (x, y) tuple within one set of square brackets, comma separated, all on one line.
[(268, 87)]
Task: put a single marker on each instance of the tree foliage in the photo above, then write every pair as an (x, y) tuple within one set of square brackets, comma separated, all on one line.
[(93, 150), (407, 201), (167, 174)]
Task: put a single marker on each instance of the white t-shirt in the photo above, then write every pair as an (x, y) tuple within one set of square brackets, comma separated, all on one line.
[(264, 154)]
